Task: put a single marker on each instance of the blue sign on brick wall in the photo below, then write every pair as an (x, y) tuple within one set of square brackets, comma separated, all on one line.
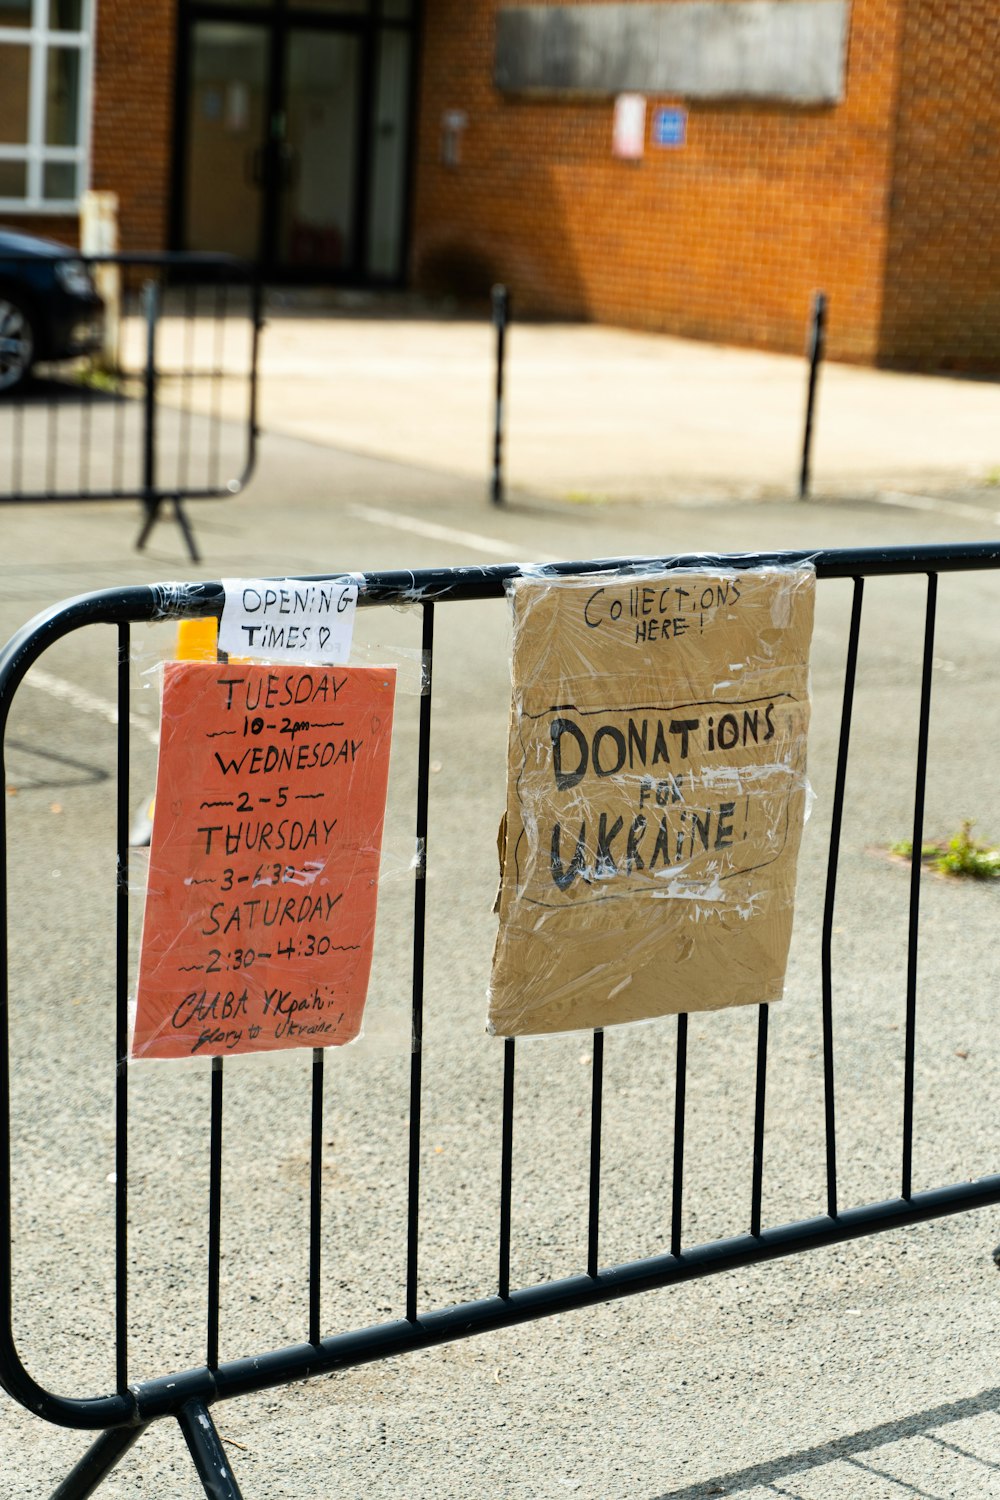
[(670, 127)]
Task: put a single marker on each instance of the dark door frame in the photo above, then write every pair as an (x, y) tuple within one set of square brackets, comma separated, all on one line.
[(280, 19)]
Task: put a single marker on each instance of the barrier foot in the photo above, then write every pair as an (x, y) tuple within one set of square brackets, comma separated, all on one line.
[(97, 1463), (208, 1453), (152, 509), (186, 529), (153, 515)]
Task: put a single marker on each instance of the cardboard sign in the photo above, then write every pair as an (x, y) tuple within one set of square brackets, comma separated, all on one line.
[(656, 794), (263, 868)]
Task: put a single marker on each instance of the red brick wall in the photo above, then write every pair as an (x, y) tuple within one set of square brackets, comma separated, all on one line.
[(132, 122), (49, 226), (942, 304), (723, 239), (889, 201), (133, 114)]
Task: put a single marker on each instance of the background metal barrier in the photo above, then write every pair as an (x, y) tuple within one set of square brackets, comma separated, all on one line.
[(121, 1414), (164, 412)]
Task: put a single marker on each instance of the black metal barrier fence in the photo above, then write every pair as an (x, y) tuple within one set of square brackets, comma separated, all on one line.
[(815, 351), (122, 1414), (162, 405), (501, 317)]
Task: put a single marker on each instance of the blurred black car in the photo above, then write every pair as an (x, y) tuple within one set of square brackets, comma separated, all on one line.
[(49, 308)]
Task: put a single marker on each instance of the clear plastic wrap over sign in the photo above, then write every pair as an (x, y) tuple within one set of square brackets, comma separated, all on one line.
[(264, 864), (656, 791)]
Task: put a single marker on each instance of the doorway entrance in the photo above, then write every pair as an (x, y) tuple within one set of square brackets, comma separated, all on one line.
[(293, 135)]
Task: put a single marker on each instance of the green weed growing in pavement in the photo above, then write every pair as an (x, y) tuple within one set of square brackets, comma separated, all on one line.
[(959, 855), (95, 378)]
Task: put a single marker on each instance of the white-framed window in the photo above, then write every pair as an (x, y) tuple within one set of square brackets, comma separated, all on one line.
[(46, 57)]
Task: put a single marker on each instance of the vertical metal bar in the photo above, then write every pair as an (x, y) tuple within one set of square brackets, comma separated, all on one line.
[(86, 438), (316, 1196), (117, 438), (758, 1124), (215, 1194), (17, 454), (836, 821), (257, 314), (184, 445), (817, 345), (52, 445), (217, 1478), (216, 420), (501, 313), (915, 872), (121, 1016), (596, 1116), (118, 423), (680, 1090), (506, 1164), (151, 309), (419, 924), (214, 1215)]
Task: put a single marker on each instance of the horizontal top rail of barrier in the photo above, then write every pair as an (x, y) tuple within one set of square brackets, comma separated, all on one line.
[(135, 1403), (488, 581)]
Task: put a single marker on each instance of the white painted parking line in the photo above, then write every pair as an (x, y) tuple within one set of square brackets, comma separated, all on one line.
[(88, 703), (955, 508), (452, 536)]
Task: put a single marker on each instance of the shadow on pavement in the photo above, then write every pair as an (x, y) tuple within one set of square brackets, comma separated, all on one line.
[(63, 770), (841, 1450)]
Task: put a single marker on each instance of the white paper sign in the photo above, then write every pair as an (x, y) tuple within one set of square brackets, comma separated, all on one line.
[(289, 619), (628, 137)]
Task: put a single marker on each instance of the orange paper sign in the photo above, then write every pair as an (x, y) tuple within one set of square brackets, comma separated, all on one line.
[(263, 871)]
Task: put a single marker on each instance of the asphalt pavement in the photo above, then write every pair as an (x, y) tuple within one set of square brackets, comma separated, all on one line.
[(861, 1371)]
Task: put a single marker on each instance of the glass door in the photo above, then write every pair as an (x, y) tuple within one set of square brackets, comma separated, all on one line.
[(387, 203), (321, 149), (293, 135), (226, 157)]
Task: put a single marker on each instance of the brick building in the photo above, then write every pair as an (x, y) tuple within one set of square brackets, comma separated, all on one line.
[(769, 147)]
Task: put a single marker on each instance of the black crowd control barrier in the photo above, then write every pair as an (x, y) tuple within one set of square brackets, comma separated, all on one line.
[(120, 1414), (815, 352), (500, 303), (151, 396)]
